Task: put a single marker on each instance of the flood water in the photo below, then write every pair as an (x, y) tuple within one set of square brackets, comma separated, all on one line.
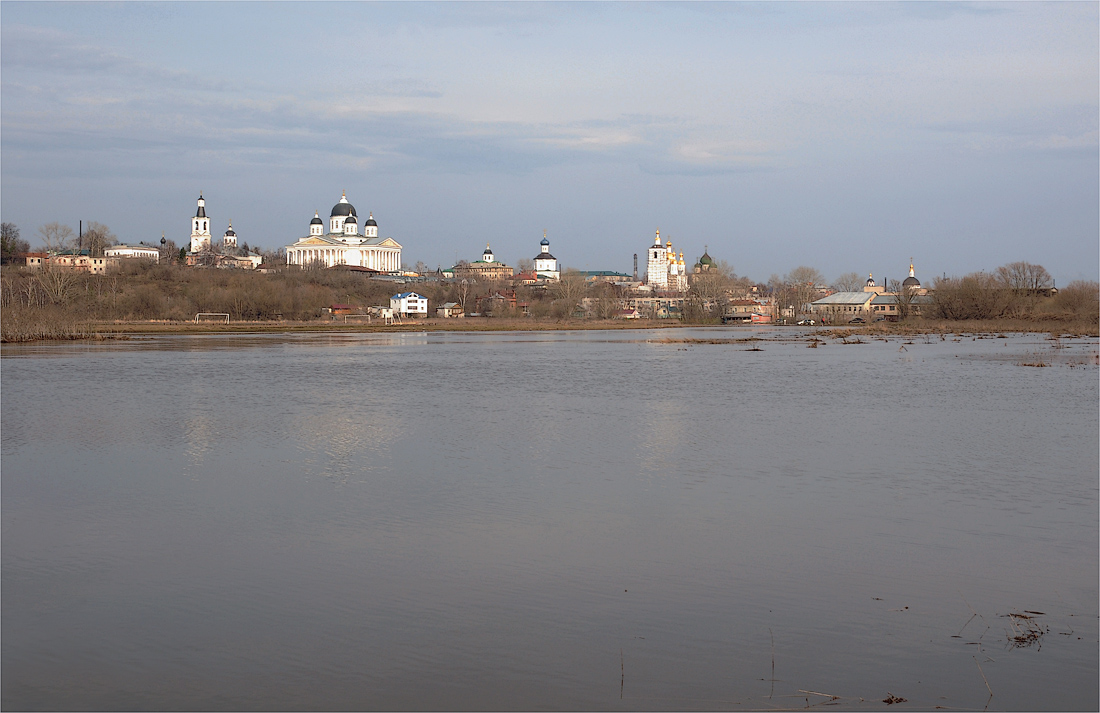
[(564, 520)]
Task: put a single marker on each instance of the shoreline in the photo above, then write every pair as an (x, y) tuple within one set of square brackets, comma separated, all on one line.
[(107, 330)]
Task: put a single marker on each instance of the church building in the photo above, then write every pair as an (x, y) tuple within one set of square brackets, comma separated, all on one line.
[(665, 273), (343, 244), (546, 265), (200, 228)]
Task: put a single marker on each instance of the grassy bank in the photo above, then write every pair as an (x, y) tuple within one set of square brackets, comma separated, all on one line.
[(145, 298)]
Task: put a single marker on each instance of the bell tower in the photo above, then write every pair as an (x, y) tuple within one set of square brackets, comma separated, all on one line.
[(200, 227)]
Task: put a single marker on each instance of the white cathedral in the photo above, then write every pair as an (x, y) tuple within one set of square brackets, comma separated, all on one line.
[(343, 244)]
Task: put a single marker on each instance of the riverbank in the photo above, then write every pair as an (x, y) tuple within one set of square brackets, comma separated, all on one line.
[(60, 329)]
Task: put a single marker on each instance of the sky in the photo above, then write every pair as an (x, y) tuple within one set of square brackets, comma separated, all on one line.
[(845, 137)]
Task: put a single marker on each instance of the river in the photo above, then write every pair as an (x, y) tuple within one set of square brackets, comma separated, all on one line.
[(619, 520)]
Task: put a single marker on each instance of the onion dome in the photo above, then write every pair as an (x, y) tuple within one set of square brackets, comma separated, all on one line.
[(343, 207), (706, 259), (370, 220), (545, 242), (912, 280), (316, 219), (870, 280)]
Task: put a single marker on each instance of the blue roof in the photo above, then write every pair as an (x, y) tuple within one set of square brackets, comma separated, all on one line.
[(403, 295)]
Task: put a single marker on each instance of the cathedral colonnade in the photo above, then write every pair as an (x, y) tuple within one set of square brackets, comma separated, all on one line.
[(383, 260)]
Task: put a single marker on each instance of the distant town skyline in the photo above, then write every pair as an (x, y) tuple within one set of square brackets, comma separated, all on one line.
[(846, 137)]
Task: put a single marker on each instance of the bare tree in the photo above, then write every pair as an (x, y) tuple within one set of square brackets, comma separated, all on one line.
[(802, 283), (1024, 276), (571, 288), (463, 292), (97, 238), (848, 282), (169, 251), (525, 265), (903, 299), (1080, 298), (55, 282), (56, 237), (978, 295)]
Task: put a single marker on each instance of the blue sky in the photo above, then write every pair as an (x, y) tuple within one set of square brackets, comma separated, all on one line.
[(847, 137)]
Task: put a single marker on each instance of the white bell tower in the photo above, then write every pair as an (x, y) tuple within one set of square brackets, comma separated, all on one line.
[(200, 228), (657, 269)]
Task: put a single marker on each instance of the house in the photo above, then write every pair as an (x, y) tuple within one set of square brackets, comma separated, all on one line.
[(409, 304), (81, 261), (141, 252), (886, 305), (36, 260), (602, 276), (487, 269), (844, 306), (449, 310), (498, 303), (528, 277), (628, 313)]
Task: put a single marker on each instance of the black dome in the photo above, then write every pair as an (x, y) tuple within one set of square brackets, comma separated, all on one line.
[(370, 221), (911, 282), (351, 218), (545, 256), (343, 208), (316, 220)]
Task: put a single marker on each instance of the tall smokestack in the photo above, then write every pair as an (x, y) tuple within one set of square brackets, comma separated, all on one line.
[(635, 267)]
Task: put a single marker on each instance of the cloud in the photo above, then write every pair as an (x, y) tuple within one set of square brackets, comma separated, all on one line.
[(1068, 128)]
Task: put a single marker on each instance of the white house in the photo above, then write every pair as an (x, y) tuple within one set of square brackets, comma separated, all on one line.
[(409, 304), (145, 252)]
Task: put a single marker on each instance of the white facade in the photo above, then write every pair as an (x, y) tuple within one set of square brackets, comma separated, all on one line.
[(409, 303), (546, 265), (133, 251), (664, 271), (200, 228), (657, 267), (229, 240), (343, 244)]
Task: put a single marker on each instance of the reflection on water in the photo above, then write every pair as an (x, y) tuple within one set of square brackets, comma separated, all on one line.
[(593, 520)]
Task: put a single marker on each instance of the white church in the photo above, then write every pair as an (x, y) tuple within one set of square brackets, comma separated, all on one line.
[(665, 273), (200, 231), (343, 244)]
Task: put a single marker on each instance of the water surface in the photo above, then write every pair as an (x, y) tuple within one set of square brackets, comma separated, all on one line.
[(577, 520)]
